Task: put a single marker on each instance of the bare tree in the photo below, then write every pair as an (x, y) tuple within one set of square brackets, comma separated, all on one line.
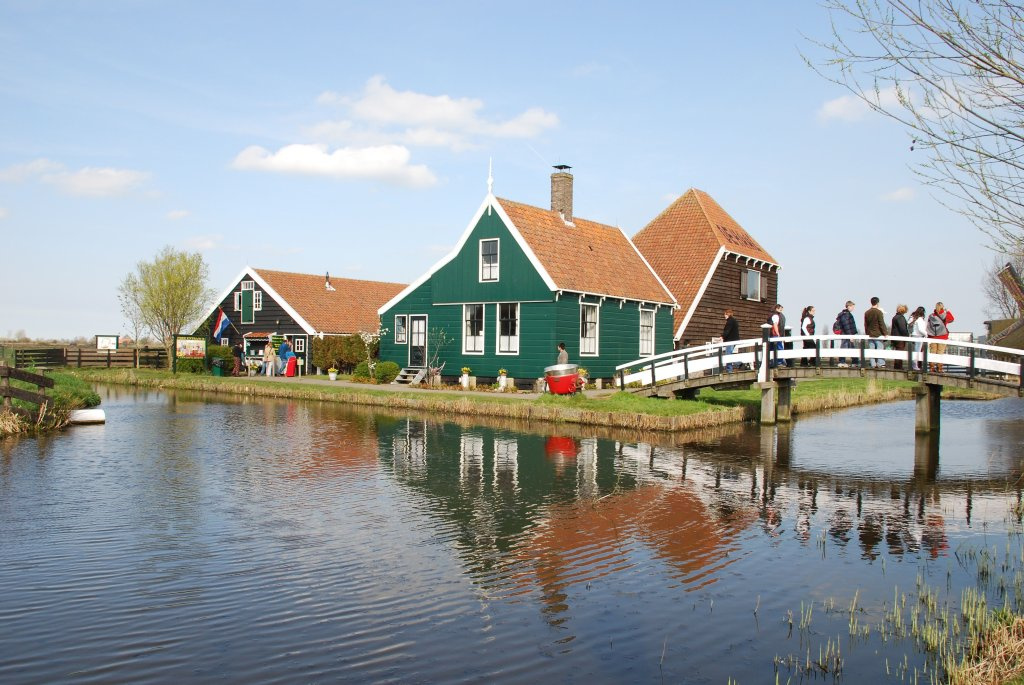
[(129, 293), (951, 72)]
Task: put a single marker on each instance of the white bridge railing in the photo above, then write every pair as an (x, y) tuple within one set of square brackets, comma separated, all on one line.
[(960, 358)]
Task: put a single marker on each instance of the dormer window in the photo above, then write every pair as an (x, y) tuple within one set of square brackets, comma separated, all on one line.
[(489, 260)]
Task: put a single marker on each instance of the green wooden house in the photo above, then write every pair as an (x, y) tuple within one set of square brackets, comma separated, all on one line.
[(522, 279)]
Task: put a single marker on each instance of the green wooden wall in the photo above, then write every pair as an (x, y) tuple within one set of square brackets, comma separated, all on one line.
[(543, 319)]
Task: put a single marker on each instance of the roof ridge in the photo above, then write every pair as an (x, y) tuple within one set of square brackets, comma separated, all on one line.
[(575, 218)]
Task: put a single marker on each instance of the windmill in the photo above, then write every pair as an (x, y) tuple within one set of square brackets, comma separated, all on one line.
[(1010, 279)]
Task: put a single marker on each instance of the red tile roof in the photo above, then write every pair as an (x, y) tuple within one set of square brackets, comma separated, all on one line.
[(349, 308), (683, 242), (586, 257)]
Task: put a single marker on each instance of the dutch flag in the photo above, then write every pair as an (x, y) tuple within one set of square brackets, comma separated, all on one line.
[(220, 324)]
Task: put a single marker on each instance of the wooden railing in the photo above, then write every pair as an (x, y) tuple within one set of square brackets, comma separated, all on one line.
[(9, 392), (82, 357)]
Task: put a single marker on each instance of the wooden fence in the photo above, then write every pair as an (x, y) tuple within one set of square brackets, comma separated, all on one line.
[(80, 357), (9, 392)]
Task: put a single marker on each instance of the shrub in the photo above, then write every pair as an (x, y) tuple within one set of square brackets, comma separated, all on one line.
[(362, 370), (195, 366), (222, 351), (340, 351), (386, 371)]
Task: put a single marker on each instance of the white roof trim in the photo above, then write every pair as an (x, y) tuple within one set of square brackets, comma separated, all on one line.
[(700, 293), (649, 268), (492, 202), (252, 273), (756, 260)]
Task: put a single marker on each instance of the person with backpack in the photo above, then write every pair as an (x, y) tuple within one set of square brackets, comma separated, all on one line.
[(777, 320), (845, 324), (938, 329)]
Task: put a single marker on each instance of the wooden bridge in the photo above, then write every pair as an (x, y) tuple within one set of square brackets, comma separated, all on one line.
[(740, 363)]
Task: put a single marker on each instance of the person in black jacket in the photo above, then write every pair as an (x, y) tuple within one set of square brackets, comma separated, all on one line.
[(899, 328), (847, 326), (730, 333)]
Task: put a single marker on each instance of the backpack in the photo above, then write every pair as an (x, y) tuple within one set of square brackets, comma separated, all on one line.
[(936, 326), (837, 328)]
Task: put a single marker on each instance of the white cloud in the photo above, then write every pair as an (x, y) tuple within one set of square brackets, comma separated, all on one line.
[(900, 195), (386, 163), (29, 170), (88, 181), (4, 213), (96, 181), (203, 242), (854, 108), (176, 214), (386, 115)]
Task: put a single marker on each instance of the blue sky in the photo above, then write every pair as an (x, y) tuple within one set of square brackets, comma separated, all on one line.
[(355, 139)]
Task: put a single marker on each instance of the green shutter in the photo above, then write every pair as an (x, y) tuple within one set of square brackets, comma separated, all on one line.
[(247, 307)]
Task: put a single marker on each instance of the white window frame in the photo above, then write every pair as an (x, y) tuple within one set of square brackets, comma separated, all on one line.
[(401, 333), (483, 329), (649, 352), (300, 344), (257, 300), (238, 300), (514, 340), (756, 275), (493, 271), (597, 330), (248, 285)]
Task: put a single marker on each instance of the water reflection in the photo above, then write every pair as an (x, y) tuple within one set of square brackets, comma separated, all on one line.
[(248, 541)]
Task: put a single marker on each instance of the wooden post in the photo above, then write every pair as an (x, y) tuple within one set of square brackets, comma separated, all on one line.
[(768, 408), (784, 412), (817, 353), (927, 399)]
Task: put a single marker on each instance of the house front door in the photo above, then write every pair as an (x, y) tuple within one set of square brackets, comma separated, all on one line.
[(417, 341)]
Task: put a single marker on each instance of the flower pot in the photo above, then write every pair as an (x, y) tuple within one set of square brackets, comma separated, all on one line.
[(333, 375), (502, 381), (465, 381)]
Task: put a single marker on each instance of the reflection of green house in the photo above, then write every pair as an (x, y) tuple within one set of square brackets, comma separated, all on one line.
[(522, 279)]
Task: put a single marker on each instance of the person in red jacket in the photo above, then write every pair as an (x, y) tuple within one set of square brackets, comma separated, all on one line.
[(938, 329)]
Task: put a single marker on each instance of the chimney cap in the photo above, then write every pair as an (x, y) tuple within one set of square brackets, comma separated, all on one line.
[(561, 167)]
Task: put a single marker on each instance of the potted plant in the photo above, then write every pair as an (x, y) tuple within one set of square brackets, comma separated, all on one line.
[(332, 373), (502, 378), (465, 377)]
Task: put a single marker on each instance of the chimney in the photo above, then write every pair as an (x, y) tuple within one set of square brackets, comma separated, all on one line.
[(561, 192)]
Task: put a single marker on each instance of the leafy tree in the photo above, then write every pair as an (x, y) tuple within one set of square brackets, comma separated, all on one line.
[(170, 293), (951, 73)]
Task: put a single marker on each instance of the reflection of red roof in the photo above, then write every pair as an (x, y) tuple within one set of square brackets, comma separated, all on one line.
[(683, 243), (588, 540), (586, 257)]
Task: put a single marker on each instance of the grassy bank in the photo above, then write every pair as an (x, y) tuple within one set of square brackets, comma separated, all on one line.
[(69, 392), (619, 410)]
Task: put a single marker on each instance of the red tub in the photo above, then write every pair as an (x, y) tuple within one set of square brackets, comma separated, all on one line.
[(562, 378)]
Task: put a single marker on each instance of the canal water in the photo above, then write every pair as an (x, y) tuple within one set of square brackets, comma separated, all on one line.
[(193, 539)]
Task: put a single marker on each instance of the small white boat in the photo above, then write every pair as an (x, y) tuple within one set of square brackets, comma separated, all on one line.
[(87, 416)]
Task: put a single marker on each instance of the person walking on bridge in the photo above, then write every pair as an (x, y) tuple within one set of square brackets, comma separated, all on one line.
[(846, 325), (874, 326), (938, 329), (899, 328), (730, 333), (807, 328), (919, 330)]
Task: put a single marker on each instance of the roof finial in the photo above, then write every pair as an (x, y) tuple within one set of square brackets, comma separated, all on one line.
[(490, 176)]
